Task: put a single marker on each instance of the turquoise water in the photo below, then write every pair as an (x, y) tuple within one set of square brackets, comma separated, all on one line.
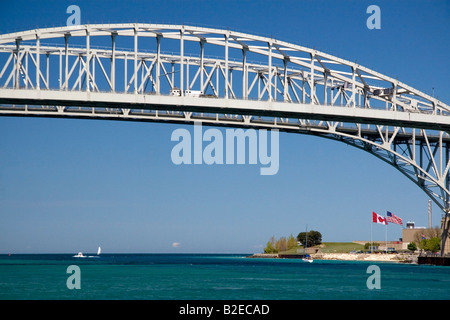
[(207, 276)]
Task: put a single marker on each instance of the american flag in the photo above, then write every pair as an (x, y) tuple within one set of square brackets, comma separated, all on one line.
[(393, 218)]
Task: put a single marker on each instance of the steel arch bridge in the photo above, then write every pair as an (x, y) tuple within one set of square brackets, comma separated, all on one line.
[(187, 74)]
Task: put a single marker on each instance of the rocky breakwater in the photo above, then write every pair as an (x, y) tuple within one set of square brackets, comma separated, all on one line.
[(264, 255)]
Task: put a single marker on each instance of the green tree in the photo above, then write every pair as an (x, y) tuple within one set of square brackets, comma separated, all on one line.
[(269, 248), (314, 238), (412, 246), (281, 244), (291, 242), (433, 244)]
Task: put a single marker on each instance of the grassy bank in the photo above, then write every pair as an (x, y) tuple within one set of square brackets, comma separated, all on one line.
[(341, 247), (329, 247)]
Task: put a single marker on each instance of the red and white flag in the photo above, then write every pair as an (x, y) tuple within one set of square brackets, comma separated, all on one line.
[(379, 219), (393, 218)]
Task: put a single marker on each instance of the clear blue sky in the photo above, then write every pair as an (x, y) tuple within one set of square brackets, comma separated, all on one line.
[(71, 185)]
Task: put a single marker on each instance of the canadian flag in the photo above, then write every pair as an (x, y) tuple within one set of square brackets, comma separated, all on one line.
[(378, 219)]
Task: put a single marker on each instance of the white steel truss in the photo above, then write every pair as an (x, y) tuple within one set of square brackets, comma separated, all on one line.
[(127, 72)]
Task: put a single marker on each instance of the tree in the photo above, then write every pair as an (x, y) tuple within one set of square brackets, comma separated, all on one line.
[(281, 244), (291, 242), (432, 244), (412, 246), (422, 244), (269, 248), (314, 238)]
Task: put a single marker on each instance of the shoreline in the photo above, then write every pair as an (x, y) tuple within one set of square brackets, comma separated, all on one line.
[(380, 257)]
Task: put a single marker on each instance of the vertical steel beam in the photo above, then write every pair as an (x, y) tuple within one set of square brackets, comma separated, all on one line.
[(313, 86), (60, 70), (353, 87), (16, 73), (142, 66), (125, 72), (303, 87), (331, 92), (285, 81), (158, 63), (181, 60), (172, 72), (275, 84), (38, 60), (113, 61), (26, 69), (230, 82), (269, 88), (202, 52), (244, 74), (217, 67), (47, 76), (259, 85), (80, 71), (88, 58), (66, 47), (188, 87), (135, 59), (421, 147), (226, 65)]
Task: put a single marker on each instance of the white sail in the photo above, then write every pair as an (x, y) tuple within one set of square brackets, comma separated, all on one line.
[(307, 257), (99, 251)]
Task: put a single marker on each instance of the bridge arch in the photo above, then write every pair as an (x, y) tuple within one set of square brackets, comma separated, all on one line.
[(183, 74)]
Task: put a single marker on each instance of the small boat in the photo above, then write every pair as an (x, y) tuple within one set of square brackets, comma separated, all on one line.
[(307, 257), (79, 255), (99, 251)]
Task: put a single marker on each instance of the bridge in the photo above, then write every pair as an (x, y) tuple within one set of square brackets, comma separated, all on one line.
[(186, 74)]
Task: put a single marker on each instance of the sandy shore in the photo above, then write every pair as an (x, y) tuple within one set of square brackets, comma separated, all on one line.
[(407, 258), (401, 257)]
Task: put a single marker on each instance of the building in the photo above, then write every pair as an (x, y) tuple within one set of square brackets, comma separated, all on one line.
[(411, 233)]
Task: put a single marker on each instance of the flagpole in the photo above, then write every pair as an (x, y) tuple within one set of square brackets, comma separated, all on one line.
[(386, 236), (371, 238)]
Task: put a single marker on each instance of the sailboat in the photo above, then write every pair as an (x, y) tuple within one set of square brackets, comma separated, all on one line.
[(99, 250), (307, 257), (81, 255)]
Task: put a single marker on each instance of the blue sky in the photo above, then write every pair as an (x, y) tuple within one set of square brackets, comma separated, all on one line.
[(71, 185)]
